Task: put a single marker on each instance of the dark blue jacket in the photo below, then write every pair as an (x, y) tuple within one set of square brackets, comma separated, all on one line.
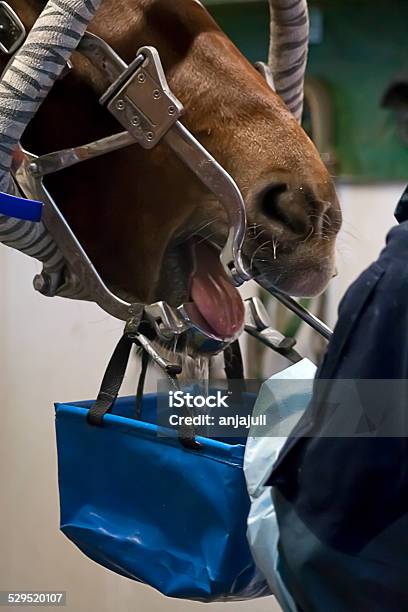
[(341, 482)]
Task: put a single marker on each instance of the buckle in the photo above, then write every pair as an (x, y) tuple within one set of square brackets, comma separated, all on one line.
[(12, 30)]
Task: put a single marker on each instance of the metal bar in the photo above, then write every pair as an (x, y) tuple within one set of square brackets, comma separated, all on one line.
[(59, 160), (289, 353), (298, 309), (102, 55), (220, 183), (70, 247), (172, 369)]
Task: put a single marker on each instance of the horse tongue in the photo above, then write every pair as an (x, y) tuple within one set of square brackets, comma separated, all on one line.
[(217, 300)]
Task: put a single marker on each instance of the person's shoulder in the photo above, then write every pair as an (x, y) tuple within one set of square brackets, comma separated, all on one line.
[(395, 253)]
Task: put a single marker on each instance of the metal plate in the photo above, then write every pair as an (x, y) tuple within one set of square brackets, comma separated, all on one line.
[(144, 104), (12, 30)]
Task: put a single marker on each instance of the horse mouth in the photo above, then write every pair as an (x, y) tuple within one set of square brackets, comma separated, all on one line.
[(193, 273)]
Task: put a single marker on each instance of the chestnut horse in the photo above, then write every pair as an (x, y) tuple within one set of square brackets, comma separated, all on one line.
[(142, 216)]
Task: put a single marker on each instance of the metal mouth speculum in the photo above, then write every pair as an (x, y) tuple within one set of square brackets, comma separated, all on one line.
[(142, 102)]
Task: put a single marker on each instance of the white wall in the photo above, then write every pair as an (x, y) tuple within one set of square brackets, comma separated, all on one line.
[(368, 212), (56, 350)]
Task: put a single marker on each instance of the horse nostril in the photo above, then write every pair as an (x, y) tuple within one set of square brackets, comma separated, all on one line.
[(285, 207), (269, 199)]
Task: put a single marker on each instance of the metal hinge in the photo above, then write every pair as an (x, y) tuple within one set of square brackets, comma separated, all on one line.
[(140, 99)]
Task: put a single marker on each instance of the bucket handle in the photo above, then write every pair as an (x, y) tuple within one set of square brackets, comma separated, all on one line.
[(112, 382)]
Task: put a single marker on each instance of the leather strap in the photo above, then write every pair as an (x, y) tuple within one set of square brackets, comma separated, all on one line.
[(112, 381), (233, 362), (140, 386)]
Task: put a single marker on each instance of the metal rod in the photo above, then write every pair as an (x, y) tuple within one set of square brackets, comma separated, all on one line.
[(102, 55), (172, 369), (69, 245), (288, 352), (298, 309), (59, 160), (220, 183)]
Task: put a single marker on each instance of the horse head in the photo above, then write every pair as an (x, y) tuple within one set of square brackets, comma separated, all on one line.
[(150, 227)]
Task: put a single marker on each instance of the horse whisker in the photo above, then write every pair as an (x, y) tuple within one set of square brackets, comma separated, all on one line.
[(257, 251)]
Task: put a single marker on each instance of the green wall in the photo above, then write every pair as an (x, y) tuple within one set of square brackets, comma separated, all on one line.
[(364, 46)]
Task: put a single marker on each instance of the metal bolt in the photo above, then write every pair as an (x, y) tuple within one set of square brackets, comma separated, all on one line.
[(156, 94), (149, 135), (42, 283), (171, 110), (120, 105), (136, 121), (141, 77), (33, 167)]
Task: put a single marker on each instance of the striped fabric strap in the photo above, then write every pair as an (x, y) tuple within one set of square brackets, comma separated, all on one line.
[(29, 237), (288, 50), (24, 85)]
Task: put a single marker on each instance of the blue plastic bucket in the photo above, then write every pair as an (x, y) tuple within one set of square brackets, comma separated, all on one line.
[(149, 509)]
